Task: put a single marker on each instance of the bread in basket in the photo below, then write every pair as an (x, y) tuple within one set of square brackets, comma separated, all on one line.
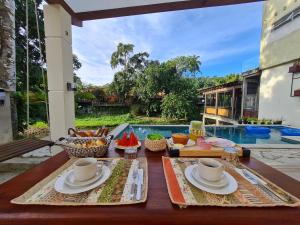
[(86, 146)]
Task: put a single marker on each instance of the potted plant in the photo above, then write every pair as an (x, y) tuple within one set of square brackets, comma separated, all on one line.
[(269, 122), (254, 121), (155, 142), (263, 121), (277, 122), (240, 121)]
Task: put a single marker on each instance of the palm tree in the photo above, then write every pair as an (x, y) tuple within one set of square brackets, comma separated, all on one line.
[(7, 53)]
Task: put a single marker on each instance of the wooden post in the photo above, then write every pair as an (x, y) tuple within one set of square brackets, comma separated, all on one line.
[(233, 110)]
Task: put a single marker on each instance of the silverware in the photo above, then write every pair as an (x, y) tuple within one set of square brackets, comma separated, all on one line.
[(139, 184), (262, 185), (133, 184)]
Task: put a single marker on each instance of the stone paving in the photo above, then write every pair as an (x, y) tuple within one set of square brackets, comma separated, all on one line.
[(285, 160)]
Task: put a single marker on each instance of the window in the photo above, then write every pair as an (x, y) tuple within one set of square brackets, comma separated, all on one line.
[(211, 100), (286, 19), (224, 99)]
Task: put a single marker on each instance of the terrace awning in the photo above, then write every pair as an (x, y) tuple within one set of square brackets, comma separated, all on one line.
[(82, 10)]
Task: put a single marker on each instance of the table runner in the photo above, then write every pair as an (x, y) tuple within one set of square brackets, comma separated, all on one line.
[(114, 191), (184, 194)]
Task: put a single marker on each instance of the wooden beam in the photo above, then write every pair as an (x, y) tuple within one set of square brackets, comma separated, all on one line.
[(144, 9), (162, 7), (75, 20)]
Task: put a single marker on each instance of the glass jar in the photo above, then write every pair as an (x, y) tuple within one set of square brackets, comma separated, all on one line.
[(230, 154), (130, 153)]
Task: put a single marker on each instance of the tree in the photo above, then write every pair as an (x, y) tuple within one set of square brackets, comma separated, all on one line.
[(187, 65), (121, 56), (131, 66), (160, 79), (36, 84), (181, 103), (7, 57)]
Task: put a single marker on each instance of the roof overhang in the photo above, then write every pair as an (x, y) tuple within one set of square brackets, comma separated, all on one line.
[(222, 87), (82, 10)]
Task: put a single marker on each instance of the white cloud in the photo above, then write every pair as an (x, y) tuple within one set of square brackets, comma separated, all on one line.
[(212, 33)]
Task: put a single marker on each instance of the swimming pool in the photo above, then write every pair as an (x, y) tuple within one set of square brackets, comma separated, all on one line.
[(234, 133)]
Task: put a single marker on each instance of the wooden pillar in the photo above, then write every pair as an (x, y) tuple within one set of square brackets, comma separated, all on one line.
[(233, 110), (216, 105), (59, 69)]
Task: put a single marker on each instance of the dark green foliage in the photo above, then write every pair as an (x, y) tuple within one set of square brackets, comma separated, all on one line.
[(36, 85)]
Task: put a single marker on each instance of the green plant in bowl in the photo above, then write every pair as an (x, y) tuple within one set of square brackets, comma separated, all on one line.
[(155, 137)]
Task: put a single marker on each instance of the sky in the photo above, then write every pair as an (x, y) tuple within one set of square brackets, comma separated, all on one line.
[(226, 38)]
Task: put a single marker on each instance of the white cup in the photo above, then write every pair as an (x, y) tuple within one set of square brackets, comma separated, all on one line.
[(210, 169), (85, 169)]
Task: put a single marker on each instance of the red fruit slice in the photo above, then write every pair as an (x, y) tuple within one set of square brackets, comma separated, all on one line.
[(133, 141), (123, 141)]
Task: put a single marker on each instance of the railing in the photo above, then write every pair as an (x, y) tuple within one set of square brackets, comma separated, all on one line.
[(224, 111), (211, 110), (220, 111)]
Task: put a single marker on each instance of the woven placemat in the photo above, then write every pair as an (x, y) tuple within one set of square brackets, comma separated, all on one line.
[(184, 194), (115, 191)]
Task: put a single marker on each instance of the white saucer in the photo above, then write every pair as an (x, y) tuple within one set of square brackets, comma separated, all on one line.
[(72, 182), (213, 184), (228, 189), (220, 142), (190, 143), (62, 187)]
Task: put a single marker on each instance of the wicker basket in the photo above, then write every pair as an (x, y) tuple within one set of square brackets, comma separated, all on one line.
[(73, 151), (156, 145)]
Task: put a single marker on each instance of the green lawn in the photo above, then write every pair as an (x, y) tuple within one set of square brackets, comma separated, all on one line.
[(115, 120)]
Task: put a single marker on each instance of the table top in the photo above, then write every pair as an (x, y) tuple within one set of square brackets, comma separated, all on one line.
[(157, 210)]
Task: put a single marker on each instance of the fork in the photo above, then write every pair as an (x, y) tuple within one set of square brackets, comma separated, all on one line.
[(133, 184), (264, 187)]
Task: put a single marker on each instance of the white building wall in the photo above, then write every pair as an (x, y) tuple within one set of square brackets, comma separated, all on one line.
[(280, 49), (275, 101)]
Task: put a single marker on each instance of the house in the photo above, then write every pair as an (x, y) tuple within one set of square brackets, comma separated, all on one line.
[(280, 62), (222, 103), (273, 90)]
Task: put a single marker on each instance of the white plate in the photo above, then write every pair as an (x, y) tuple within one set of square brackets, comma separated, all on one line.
[(72, 182), (124, 147), (62, 187), (190, 143), (220, 142), (228, 189), (214, 184)]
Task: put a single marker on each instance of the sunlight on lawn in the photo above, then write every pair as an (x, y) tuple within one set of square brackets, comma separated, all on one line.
[(115, 120)]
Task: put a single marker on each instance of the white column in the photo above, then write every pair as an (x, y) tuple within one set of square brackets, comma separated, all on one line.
[(59, 69)]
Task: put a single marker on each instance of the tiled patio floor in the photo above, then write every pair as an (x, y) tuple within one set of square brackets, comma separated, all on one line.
[(285, 160)]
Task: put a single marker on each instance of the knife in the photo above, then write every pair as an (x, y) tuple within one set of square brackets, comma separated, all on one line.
[(139, 184)]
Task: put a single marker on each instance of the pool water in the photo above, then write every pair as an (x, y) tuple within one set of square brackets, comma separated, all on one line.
[(236, 133)]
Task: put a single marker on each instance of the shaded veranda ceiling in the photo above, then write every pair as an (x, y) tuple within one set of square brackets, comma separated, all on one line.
[(82, 10)]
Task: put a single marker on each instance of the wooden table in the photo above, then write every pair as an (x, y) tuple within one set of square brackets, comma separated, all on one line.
[(157, 210)]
